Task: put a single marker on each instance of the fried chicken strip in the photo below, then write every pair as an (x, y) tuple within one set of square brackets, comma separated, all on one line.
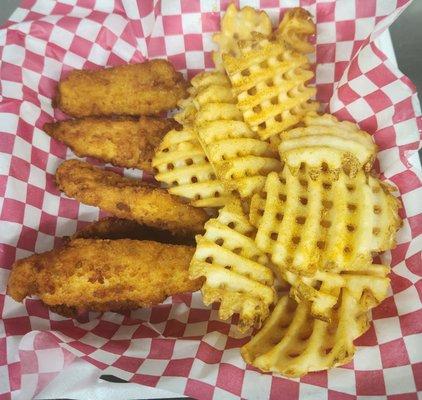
[(104, 275), (138, 89), (128, 198), (123, 142), (119, 228)]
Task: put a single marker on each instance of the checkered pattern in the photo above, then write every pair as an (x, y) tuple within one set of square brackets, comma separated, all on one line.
[(181, 345)]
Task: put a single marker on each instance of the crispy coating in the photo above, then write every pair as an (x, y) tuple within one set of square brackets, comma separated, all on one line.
[(124, 142), (119, 228), (148, 88), (128, 198), (104, 275)]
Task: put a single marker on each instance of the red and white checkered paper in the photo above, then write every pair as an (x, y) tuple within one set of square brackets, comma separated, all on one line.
[(181, 345)]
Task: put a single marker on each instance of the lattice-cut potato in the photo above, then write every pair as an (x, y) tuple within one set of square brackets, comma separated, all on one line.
[(182, 164), (188, 107), (238, 25), (187, 110), (368, 284), (325, 142), (295, 28), (236, 271), (308, 224), (205, 79), (292, 342), (270, 81), (240, 159)]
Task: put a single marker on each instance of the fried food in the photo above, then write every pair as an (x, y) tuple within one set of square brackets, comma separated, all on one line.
[(322, 290), (293, 343), (118, 228), (239, 25), (123, 142), (299, 214), (295, 28), (270, 81), (309, 224), (181, 163), (104, 275), (187, 110), (239, 158), (325, 141), (228, 156), (236, 271), (148, 88), (128, 198)]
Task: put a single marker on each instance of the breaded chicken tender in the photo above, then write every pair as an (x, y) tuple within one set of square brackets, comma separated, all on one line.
[(104, 275), (128, 198), (148, 88), (120, 228), (123, 142)]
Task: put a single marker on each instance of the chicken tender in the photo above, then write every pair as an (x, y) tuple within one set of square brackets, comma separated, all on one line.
[(123, 142), (104, 275), (128, 198), (148, 88), (119, 228)]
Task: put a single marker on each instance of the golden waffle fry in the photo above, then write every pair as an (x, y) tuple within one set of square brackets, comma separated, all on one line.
[(325, 140), (323, 289), (182, 164), (187, 112), (295, 28), (238, 25), (241, 160), (189, 106), (236, 271), (309, 224), (292, 342), (270, 82)]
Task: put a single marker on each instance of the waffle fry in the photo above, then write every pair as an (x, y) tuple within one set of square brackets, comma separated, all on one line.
[(308, 224), (323, 289), (241, 161), (325, 140), (189, 106), (270, 82), (238, 25), (294, 343), (187, 110), (295, 29), (182, 164), (235, 269)]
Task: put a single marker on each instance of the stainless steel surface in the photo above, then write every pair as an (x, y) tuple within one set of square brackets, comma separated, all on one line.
[(6, 9), (406, 34)]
